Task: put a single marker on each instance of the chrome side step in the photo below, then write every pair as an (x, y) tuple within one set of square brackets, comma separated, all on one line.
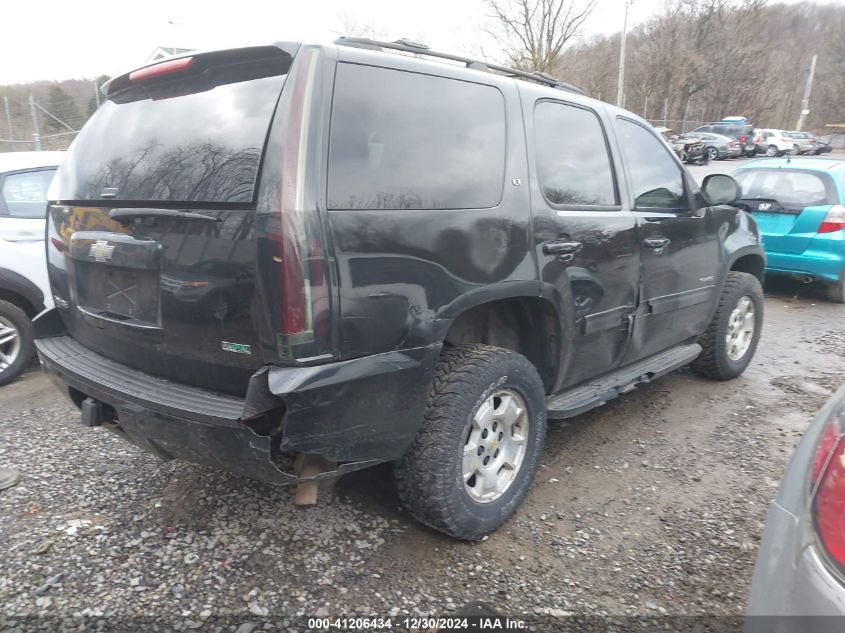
[(599, 390)]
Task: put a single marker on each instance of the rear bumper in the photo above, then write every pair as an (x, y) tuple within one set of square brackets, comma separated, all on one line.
[(822, 265), (792, 590), (354, 413)]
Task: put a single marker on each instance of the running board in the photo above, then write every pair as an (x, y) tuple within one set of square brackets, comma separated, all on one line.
[(600, 390)]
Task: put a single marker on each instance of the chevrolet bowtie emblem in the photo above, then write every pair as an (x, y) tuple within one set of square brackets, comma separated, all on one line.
[(101, 251)]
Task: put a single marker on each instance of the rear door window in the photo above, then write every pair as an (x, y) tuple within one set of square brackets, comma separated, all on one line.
[(197, 137), (25, 193), (404, 140), (573, 165)]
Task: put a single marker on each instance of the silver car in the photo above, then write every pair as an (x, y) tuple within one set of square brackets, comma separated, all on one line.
[(800, 576)]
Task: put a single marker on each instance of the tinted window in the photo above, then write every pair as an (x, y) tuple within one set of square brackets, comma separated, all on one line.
[(573, 166), (654, 178), (25, 194), (195, 138), (790, 188), (402, 140)]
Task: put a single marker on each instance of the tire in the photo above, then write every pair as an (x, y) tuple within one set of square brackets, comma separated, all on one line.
[(430, 477), (836, 291), (17, 343), (717, 359), (771, 150), (712, 153)]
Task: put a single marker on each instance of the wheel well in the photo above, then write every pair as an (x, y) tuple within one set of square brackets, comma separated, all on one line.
[(18, 300), (526, 325), (751, 263)]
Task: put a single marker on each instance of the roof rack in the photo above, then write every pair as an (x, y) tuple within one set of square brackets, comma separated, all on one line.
[(409, 46)]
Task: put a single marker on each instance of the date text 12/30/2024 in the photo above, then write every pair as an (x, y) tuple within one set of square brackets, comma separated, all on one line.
[(488, 624)]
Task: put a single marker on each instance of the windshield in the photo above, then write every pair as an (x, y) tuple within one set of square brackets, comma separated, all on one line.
[(790, 188)]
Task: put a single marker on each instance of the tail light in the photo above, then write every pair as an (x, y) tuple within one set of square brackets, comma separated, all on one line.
[(834, 221), (785, 139), (743, 138), (828, 479), (296, 255)]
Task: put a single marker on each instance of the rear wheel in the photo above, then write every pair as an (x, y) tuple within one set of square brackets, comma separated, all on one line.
[(712, 153), (16, 345), (479, 446), (729, 343), (836, 291), (771, 150)]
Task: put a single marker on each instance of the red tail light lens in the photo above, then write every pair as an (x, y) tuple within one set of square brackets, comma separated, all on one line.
[(834, 221), (164, 68), (829, 500), (301, 320), (743, 138)]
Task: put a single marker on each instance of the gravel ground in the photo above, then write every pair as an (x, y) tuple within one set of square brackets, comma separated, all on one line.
[(652, 505)]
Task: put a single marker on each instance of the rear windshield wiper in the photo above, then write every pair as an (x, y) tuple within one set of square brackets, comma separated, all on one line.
[(129, 214)]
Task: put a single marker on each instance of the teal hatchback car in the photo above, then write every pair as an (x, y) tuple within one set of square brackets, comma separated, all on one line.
[(799, 205)]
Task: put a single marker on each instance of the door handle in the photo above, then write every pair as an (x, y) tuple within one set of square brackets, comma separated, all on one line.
[(556, 247), (656, 242)]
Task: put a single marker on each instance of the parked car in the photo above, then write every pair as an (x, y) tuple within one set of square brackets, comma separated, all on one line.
[(739, 132), (24, 290), (688, 149), (799, 579), (773, 142), (718, 147), (803, 142), (822, 148), (798, 204), (440, 257)]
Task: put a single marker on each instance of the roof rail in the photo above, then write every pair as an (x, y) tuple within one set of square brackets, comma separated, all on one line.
[(418, 48)]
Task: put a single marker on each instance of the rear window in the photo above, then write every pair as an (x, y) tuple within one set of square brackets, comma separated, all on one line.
[(790, 188), (403, 140), (25, 194), (194, 137)]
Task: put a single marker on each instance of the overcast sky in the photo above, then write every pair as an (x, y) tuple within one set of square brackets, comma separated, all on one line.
[(64, 39)]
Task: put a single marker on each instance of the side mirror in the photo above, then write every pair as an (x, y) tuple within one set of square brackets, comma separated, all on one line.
[(721, 189)]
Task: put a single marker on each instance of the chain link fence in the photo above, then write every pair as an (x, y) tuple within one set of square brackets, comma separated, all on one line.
[(46, 118)]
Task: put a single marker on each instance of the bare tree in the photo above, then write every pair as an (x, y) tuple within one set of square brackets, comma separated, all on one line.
[(533, 33)]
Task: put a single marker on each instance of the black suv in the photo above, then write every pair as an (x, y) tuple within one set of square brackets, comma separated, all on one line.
[(297, 261), (742, 134)]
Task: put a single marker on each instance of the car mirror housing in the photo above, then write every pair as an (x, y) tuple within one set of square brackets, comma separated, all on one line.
[(721, 189)]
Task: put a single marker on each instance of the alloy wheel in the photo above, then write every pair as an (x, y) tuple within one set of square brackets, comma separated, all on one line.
[(495, 445)]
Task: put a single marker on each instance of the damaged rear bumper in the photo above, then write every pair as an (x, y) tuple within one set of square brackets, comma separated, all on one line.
[(354, 413)]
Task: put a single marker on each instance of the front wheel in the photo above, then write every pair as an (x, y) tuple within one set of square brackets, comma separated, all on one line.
[(475, 456), (771, 150), (729, 343), (16, 344)]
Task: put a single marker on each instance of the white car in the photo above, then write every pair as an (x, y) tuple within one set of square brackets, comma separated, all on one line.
[(773, 142), (24, 290)]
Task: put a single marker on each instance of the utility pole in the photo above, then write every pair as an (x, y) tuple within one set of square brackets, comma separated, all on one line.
[(97, 94), (36, 132), (805, 102), (645, 108), (665, 112), (8, 118), (620, 87)]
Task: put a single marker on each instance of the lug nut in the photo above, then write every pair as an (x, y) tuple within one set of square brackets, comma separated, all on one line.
[(484, 434)]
